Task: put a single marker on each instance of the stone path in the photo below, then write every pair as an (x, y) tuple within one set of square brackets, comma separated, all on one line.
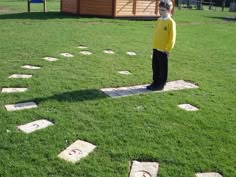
[(13, 90), (77, 151), (80, 149), (21, 106), (139, 89), (34, 126), (144, 169)]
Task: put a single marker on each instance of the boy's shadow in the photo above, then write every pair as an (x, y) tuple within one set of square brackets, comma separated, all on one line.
[(227, 19), (73, 96)]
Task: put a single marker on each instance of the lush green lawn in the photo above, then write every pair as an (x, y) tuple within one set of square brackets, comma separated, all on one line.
[(67, 92)]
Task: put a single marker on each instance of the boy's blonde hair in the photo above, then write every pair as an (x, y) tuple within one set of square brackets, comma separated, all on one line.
[(166, 4)]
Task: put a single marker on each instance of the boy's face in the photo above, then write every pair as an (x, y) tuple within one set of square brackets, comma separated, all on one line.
[(163, 12)]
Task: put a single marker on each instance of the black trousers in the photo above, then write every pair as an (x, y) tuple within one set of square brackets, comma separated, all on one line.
[(159, 67)]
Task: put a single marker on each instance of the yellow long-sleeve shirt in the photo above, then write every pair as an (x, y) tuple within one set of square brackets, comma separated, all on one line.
[(164, 34)]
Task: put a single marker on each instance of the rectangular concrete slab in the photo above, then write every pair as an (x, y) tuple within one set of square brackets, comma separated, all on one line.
[(124, 72), (50, 58), (66, 55), (13, 90), (21, 76), (34, 126), (209, 174), (139, 89), (30, 67), (82, 47), (86, 53), (21, 106), (144, 169), (77, 151), (188, 107)]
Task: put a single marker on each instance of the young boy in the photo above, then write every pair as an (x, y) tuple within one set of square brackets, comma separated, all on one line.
[(163, 43)]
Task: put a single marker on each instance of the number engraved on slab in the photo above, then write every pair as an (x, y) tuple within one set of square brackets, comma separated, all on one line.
[(142, 174), (75, 152), (35, 125)]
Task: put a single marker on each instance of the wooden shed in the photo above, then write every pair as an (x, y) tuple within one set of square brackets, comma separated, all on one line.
[(112, 8)]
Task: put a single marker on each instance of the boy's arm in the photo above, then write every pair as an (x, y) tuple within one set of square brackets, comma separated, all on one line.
[(172, 37)]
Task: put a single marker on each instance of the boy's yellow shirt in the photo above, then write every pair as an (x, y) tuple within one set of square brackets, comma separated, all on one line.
[(164, 34)]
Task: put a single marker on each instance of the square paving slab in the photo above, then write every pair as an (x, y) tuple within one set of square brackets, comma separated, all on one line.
[(188, 107), (82, 47), (108, 52), (20, 76), (34, 126), (77, 151), (144, 169), (21, 106), (86, 53), (131, 53), (210, 174), (30, 67), (139, 89), (13, 90), (50, 59), (124, 72), (67, 55)]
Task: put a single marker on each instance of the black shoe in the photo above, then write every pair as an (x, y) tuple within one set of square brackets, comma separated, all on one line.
[(155, 87)]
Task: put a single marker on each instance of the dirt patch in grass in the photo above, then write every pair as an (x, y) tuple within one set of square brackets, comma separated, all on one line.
[(3, 8)]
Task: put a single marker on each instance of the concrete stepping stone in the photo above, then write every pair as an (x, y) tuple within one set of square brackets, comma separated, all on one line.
[(86, 53), (108, 51), (131, 53), (139, 89), (141, 107), (209, 174), (50, 58), (34, 126), (68, 55), (20, 76), (30, 67), (188, 107), (82, 47), (124, 72), (77, 151), (21, 106), (13, 90), (144, 169)]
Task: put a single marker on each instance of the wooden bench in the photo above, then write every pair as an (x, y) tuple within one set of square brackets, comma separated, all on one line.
[(211, 5), (37, 1)]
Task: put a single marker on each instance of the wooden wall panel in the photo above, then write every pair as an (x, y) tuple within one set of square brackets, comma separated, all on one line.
[(145, 7), (69, 6), (124, 8), (96, 7)]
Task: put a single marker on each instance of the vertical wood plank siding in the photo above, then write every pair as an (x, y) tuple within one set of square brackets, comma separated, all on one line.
[(112, 8), (69, 6), (96, 7)]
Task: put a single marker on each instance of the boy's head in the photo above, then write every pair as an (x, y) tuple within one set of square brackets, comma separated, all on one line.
[(165, 7)]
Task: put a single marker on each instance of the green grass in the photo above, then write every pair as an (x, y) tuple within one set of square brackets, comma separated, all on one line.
[(67, 92)]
